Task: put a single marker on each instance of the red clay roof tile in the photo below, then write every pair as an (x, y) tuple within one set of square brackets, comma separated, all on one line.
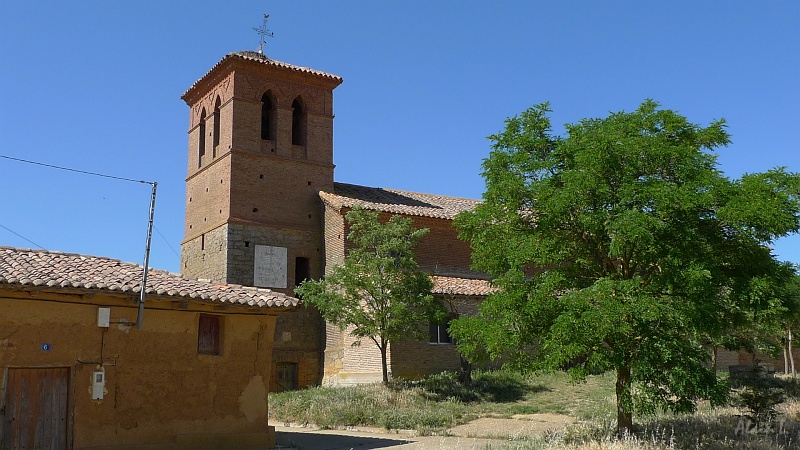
[(461, 286), (25, 267), (397, 202)]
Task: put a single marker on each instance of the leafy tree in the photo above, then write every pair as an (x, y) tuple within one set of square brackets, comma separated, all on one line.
[(617, 247), (770, 309), (791, 320), (379, 290)]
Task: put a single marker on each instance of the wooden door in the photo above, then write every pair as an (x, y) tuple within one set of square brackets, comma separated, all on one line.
[(34, 413), (287, 377)]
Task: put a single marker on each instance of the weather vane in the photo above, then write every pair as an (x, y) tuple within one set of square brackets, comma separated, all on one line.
[(264, 33)]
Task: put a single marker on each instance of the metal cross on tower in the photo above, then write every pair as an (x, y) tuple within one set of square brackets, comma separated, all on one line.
[(264, 33)]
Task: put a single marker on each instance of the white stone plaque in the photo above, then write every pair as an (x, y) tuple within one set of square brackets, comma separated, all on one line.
[(270, 267)]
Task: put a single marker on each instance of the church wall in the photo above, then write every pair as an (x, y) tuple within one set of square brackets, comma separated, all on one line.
[(250, 85), (334, 255), (299, 333), (299, 340), (416, 358), (205, 256), (278, 193), (441, 251), (354, 361), (207, 198), (243, 238), (333, 362), (334, 237)]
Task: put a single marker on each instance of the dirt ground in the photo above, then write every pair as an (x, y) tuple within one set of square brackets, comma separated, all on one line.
[(474, 435)]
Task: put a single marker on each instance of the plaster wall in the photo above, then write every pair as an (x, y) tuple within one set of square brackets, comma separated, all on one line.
[(159, 391)]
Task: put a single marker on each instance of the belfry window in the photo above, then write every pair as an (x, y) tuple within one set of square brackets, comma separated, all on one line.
[(298, 122), (267, 117), (216, 129), (201, 139)]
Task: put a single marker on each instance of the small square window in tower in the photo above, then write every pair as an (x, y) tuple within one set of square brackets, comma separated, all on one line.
[(302, 270), (208, 335)]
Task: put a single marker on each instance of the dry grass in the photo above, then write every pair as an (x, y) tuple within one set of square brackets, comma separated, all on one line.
[(717, 429), (433, 405)]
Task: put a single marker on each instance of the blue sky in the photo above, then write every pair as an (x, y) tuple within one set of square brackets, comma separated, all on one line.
[(96, 86)]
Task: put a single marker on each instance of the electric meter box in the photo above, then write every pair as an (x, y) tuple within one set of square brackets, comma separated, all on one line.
[(103, 317), (98, 384)]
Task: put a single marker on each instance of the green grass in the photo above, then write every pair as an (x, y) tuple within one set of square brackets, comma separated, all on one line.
[(371, 405), (439, 402)]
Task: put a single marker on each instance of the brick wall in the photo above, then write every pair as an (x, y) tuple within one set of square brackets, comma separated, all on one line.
[(440, 251), (248, 191), (334, 237), (417, 358)]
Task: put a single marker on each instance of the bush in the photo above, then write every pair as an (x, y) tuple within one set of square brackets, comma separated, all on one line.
[(760, 396)]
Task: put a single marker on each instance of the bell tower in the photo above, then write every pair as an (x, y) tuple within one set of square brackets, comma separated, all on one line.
[(260, 150)]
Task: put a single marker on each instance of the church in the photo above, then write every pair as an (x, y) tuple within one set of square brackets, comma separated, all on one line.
[(263, 209)]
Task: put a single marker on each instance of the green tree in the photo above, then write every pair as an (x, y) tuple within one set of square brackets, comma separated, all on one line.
[(617, 247), (379, 291), (770, 310), (791, 319)]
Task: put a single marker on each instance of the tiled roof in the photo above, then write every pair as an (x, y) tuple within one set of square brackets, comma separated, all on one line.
[(461, 286), (263, 59), (397, 202), (25, 267)]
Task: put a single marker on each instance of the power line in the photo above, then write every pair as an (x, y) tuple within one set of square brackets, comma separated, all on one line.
[(167, 242), (152, 184), (21, 236), (76, 170)]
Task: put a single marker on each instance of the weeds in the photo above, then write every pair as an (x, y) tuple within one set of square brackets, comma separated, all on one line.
[(371, 405), (434, 404)]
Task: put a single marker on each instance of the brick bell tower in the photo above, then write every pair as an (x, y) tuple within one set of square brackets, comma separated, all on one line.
[(260, 151)]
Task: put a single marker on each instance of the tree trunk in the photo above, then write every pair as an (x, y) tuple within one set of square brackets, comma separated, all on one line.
[(384, 366), (714, 358), (624, 401), (785, 359), (791, 354), (465, 377)]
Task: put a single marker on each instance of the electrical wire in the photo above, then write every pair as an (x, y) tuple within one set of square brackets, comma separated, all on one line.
[(167, 242), (21, 236), (75, 170), (52, 166)]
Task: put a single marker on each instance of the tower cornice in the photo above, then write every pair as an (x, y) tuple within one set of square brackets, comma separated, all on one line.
[(257, 61)]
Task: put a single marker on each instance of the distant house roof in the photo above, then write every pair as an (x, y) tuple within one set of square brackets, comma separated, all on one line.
[(263, 59), (396, 202), (57, 270), (461, 286)]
